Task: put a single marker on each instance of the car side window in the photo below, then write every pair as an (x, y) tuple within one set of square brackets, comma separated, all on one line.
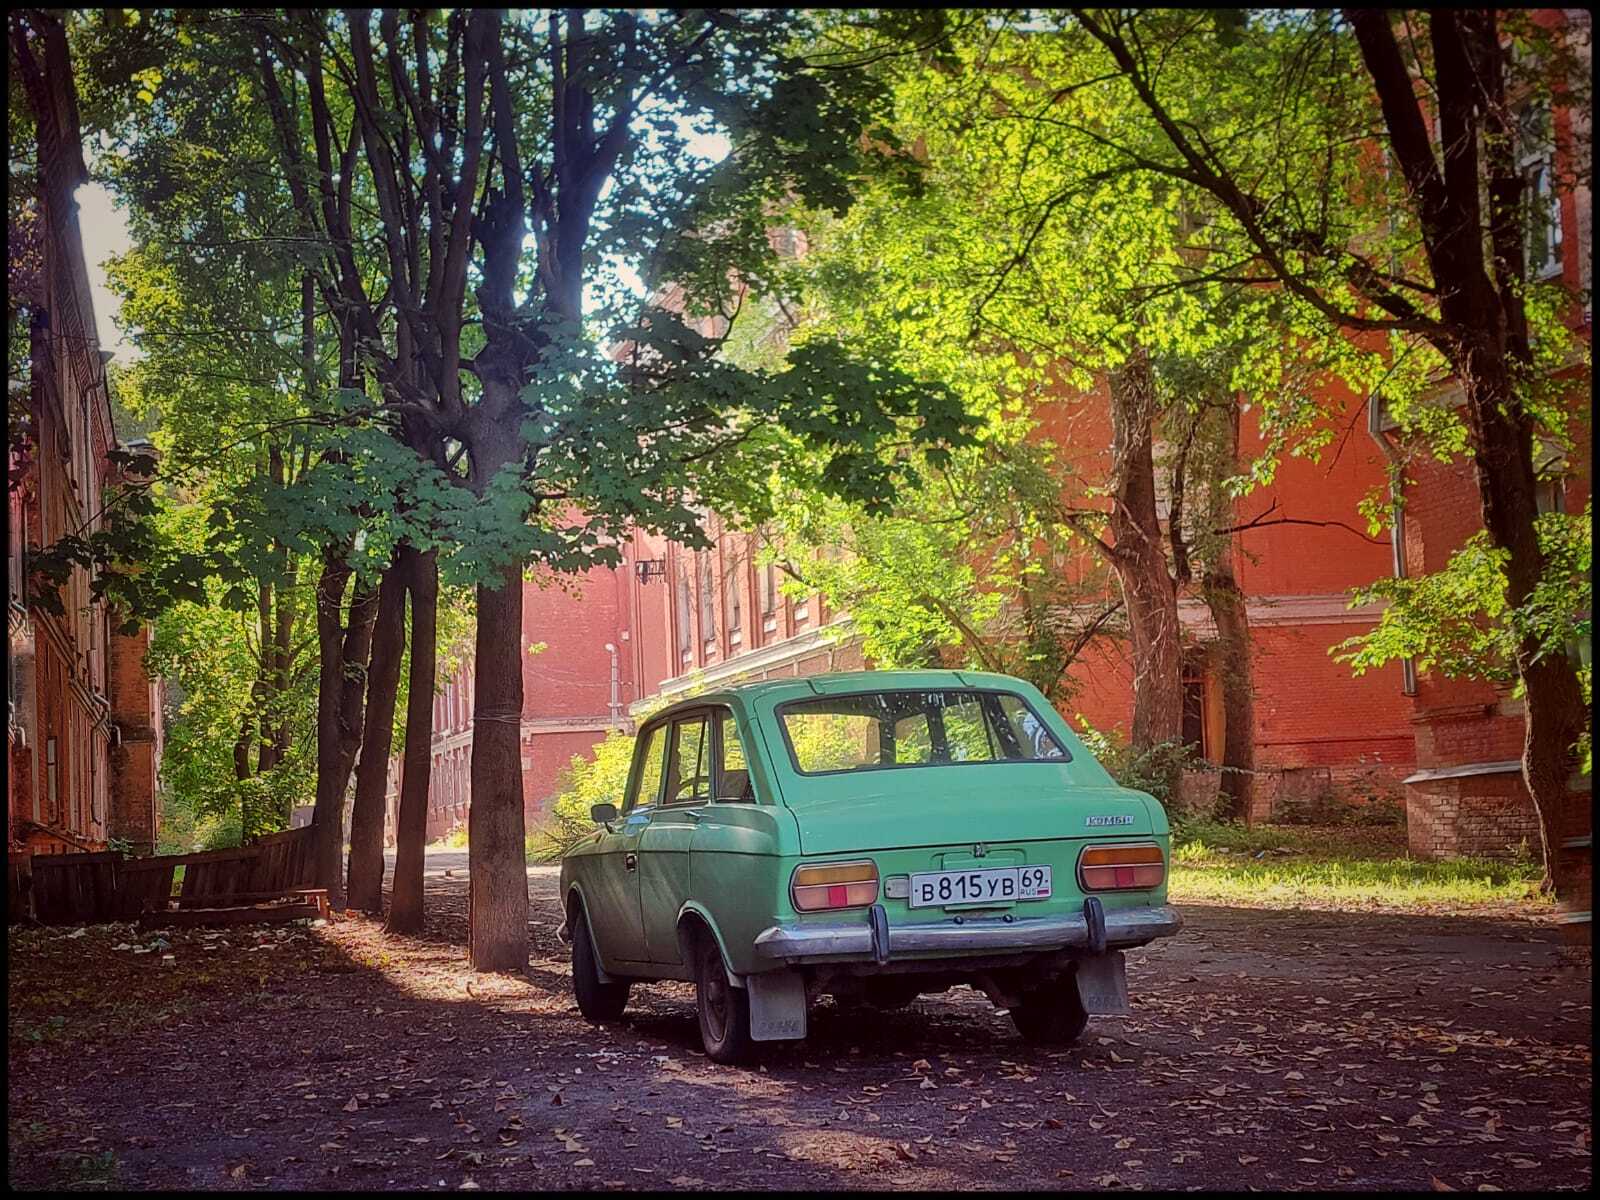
[(1030, 734), (647, 787), (689, 762), (734, 784)]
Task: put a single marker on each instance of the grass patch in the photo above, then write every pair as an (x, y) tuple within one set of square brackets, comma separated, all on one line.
[(455, 838), (1341, 868)]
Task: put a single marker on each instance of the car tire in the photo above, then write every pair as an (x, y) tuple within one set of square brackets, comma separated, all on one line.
[(723, 1010), (1051, 1013), (596, 1001)]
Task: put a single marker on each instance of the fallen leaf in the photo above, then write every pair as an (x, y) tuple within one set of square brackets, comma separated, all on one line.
[(353, 1106), (1440, 1185)]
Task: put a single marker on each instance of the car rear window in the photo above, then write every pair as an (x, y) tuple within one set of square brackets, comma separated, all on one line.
[(874, 730)]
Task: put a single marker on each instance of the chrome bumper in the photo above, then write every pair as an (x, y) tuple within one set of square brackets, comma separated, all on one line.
[(990, 935)]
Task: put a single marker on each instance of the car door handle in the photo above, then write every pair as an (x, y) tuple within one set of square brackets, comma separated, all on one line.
[(694, 814), (630, 860)]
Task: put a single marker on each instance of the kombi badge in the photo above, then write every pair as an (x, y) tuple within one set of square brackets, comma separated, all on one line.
[(1116, 819)]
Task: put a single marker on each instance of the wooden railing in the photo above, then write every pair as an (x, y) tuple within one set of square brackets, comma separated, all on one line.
[(82, 889)]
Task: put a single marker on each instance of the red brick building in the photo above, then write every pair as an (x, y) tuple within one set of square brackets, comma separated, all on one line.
[(83, 717)]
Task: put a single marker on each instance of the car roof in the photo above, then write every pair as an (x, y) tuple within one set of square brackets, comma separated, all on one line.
[(835, 683)]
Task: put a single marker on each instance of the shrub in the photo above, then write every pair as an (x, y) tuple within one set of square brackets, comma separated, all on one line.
[(1156, 769), (185, 829), (584, 783)]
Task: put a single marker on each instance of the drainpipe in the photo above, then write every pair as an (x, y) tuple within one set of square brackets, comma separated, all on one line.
[(616, 687), (1397, 525)]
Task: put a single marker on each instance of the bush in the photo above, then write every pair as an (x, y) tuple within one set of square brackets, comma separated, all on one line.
[(1156, 769), (185, 829), (585, 782)]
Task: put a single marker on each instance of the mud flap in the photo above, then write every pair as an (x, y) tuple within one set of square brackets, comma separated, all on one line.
[(777, 1005), (1103, 984)]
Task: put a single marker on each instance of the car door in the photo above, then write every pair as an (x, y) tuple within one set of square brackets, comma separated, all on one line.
[(665, 841), (613, 906)]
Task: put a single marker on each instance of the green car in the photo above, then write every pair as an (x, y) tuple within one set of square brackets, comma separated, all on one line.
[(874, 836)]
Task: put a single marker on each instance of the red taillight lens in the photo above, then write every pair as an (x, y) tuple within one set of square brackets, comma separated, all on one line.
[(819, 886), (1128, 867)]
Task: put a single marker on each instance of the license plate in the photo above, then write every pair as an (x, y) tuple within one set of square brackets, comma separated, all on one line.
[(987, 885)]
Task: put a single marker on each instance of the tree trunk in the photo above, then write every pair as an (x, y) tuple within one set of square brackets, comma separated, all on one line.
[(1231, 656), (421, 573), (1554, 712), (372, 771), (1484, 333), (496, 852), (1226, 601), (328, 815), (1149, 593)]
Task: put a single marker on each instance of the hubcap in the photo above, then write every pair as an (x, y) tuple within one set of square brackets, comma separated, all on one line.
[(715, 990)]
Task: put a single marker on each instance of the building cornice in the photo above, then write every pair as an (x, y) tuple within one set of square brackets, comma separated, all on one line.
[(1316, 609), (1505, 767), (531, 727), (780, 654)]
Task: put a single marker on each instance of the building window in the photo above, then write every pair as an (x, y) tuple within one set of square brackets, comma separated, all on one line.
[(51, 786), (683, 609), (1541, 203), (708, 601), (769, 588), (735, 609)]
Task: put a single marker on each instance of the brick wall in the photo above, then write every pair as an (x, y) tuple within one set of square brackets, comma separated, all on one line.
[(134, 813), (1485, 816)]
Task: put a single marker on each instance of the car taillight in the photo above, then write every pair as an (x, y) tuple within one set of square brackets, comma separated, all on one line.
[(1108, 868), (819, 886)]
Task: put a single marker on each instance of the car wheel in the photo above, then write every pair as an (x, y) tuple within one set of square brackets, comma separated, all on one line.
[(1051, 1013), (596, 1001), (724, 1010)]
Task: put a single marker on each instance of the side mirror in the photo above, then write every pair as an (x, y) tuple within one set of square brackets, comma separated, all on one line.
[(602, 814)]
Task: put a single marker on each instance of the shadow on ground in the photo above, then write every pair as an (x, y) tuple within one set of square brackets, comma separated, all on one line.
[(1266, 1049)]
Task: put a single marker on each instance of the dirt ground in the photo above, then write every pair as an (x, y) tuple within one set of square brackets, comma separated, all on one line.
[(1270, 1050)]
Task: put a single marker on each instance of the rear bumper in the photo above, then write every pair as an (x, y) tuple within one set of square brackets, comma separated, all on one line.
[(991, 935)]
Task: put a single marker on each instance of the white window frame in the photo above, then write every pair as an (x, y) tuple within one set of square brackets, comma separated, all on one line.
[(1536, 162)]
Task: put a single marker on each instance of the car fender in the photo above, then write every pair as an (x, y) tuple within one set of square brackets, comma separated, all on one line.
[(685, 950), (575, 892)]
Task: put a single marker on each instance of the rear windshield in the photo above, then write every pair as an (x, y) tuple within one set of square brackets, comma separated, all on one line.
[(872, 730)]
